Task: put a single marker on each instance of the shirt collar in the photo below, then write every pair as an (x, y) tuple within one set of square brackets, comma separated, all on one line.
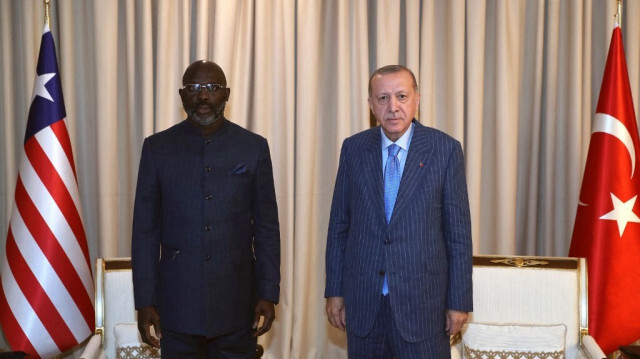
[(404, 141)]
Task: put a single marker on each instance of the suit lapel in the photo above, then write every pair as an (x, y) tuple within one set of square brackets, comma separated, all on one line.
[(372, 162), (420, 151)]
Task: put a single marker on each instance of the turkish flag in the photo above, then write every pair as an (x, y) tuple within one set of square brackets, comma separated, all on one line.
[(607, 227)]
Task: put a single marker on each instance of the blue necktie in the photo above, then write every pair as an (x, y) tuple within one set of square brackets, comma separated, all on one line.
[(391, 185)]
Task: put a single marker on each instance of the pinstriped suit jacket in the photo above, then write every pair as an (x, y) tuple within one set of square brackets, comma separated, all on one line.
[(426, 247)]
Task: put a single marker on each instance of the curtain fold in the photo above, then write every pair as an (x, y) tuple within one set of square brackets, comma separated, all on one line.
[(516, 82)]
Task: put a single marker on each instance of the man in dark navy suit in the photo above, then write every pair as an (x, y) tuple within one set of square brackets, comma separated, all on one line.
[(399, 254), (206, 239)]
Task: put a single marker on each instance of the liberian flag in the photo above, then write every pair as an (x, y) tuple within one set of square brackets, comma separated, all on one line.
[(46, 289), (607, 228)]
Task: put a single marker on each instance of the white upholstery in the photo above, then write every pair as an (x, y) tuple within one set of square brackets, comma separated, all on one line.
[(129, 343), (541, 291), (116, 316), (127, 334), (114, 304), (516, 337)]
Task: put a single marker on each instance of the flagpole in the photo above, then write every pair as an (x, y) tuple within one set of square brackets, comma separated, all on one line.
[(46, 13), (618, 15)]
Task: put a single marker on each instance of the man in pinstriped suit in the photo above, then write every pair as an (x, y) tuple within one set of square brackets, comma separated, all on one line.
[(399, 273)]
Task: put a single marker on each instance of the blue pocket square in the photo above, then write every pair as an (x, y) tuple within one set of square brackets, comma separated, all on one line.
[(240, 169)]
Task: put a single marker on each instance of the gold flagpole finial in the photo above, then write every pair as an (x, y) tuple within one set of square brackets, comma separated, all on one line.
[(618, 15), (46, 13)]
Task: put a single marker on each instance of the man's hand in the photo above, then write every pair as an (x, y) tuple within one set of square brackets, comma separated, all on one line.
[(147, 317), (455, 321), (336, 312), (266, 309)]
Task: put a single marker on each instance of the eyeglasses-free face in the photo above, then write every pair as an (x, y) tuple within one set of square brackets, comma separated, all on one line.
[(394, 102), (194, 89)]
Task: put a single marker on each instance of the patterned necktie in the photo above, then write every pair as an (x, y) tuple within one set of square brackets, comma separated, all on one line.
[(391, 185), (391, 180)]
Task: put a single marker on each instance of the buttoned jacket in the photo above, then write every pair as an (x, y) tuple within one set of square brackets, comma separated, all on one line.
[(425, 249), (206, 241)]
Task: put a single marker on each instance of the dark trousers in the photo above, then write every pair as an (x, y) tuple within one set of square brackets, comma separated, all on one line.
[(385, 342), (239, 344)]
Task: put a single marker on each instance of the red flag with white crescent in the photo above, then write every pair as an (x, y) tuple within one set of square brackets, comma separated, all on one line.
[(46, 287), (607, 227)]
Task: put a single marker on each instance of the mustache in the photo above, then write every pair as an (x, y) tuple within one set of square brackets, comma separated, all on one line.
[(218, 113)]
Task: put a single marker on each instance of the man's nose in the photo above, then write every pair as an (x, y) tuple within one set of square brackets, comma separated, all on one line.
[(393, 104), (203, 94)]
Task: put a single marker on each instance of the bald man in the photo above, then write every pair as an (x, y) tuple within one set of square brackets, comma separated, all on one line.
[(206, 239)]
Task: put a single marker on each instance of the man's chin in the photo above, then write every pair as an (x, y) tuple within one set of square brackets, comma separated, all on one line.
[(205, 120), (395, 128)]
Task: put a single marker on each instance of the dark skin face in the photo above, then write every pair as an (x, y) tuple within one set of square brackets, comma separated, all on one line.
[(204, 105)]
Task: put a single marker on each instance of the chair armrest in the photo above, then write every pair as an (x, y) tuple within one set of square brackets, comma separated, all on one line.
[(591, 348), (456, 351), (93, 350)]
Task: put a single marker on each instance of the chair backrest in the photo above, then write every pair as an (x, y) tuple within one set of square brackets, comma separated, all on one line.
[(532, 290), (114, 299)]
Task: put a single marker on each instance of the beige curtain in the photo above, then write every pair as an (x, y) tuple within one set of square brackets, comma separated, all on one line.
[(515, 81)]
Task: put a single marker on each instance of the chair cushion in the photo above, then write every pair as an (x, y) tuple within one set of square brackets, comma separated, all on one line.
[(514, 341), (129, 345)]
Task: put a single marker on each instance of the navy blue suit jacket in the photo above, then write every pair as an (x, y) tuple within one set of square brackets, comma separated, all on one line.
[(206, 240), (425, 249)]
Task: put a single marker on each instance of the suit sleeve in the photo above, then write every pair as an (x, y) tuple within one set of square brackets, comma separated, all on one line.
[(266, 230), (457, 227), (147, 223), (338, 229)]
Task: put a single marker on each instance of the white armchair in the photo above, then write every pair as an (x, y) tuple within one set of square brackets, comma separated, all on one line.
[(528, 297), (116, 316), (116, 334)]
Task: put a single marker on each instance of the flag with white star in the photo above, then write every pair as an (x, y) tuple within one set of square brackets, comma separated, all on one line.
[(46, 287), (607, 227)]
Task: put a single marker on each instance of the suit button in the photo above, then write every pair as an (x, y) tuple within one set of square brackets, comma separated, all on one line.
[(207, 228), (207, 257), (381, 273), (208, 168), (208, 141), (207, 197), (387, 242)]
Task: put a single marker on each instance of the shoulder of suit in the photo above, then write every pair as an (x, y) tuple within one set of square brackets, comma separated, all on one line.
[(237, 130), (419, 131), (364, 136), (184, 128), (434, 134), (169, 132)]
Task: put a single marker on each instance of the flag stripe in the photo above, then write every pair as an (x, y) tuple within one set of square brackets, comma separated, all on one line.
[(49, 281), (68, 174), (52, 166), (55, 254), (38, 298), (59, 129), (10, 325), (31, 326), (47, 209), (55, 154)]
